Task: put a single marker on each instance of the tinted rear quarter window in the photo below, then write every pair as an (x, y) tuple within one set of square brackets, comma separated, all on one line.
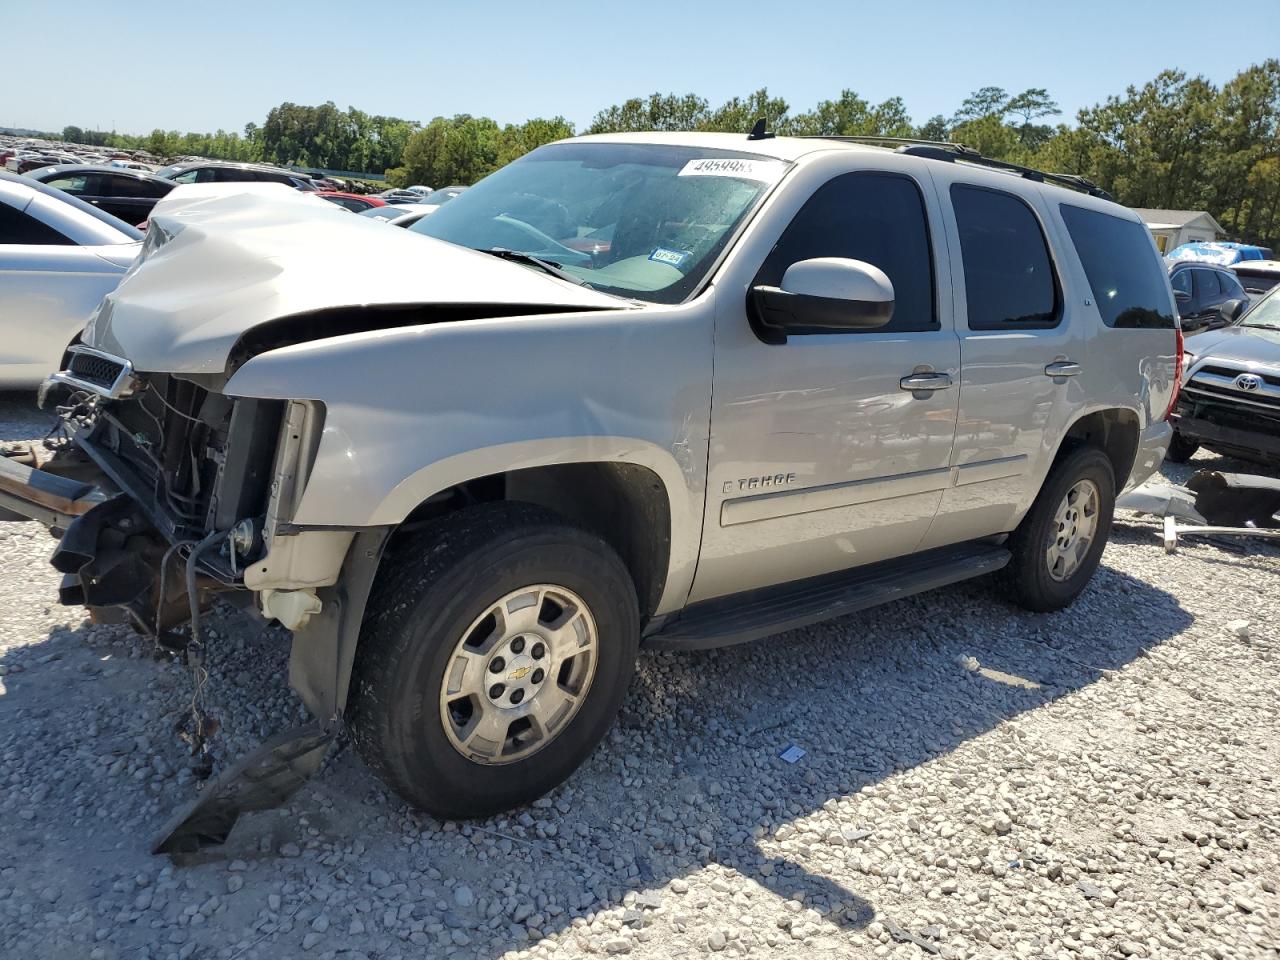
[(1125, 273), (873, 217), (1008, 275), (19, 227)]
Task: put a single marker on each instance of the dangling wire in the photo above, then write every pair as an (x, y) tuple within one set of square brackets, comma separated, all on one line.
[(202, 726)]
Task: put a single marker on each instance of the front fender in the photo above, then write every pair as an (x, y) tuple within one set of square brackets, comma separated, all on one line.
[(413, 411)]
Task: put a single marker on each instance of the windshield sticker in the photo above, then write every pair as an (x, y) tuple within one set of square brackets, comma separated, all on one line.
[(671, 257), (764, 171)]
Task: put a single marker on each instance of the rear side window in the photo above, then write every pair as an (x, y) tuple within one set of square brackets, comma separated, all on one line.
[(76, 184), (1230, 285), (1008, 276), (19, 227), (1125, 274), (878, 218)]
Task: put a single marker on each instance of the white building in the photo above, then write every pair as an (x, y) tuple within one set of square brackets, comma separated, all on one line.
[(1174, 227)]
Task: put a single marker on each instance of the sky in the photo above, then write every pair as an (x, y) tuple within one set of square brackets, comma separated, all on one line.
[(138, 65)]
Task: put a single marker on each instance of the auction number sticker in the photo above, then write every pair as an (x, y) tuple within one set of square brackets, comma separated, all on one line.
[(763, 171)]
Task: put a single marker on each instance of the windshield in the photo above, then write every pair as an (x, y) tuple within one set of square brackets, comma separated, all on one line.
[(645, 221), (1265, 312)]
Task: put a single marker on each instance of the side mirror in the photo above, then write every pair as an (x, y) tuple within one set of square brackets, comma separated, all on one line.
[(823, 295), (1230, 310), (1181, 296)]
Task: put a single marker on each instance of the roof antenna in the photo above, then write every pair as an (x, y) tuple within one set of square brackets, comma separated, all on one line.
[(758, 131)]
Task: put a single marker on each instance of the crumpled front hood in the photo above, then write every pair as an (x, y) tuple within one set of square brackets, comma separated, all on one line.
[(1253, 345), (219, 261)]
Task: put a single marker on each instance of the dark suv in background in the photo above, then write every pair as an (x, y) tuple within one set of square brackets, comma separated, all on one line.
[(1200, 290), (206, 171)]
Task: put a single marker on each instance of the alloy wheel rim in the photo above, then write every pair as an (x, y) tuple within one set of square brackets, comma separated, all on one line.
[(1075, 526), (519, 674)]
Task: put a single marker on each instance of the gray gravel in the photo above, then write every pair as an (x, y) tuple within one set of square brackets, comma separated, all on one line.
[(977, 782)]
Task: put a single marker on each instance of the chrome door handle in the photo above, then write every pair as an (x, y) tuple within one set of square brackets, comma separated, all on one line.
[(1062, 368), (925, 381)]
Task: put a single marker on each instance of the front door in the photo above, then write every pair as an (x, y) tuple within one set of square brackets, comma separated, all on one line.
[(820, 459)]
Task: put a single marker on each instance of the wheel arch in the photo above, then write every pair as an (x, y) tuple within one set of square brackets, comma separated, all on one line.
[(1116, 431), (623, 503)]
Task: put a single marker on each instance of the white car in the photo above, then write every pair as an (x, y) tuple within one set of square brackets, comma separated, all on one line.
[(59, 257)]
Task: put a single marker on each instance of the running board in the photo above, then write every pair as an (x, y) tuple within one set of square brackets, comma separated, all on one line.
[(769, 610)]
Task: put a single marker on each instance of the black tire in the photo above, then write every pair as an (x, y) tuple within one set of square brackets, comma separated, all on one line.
[(1181, 449), (426, 597), (1027, 575)]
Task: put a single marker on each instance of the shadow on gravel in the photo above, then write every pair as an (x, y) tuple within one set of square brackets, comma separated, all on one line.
[(690, 776)]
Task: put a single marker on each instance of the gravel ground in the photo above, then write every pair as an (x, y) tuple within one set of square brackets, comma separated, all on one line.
[(978, 782)]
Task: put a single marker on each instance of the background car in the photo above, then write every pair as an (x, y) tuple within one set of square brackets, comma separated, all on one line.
[(1257, 276), (1230, 398), (208, 171), (127, 194), (1223, 252), (1200, 289), (352, 201), (407, 214), (59, 257)]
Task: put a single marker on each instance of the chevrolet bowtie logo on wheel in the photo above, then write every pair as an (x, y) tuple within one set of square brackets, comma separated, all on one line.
[(519, 673), (1248, 382)]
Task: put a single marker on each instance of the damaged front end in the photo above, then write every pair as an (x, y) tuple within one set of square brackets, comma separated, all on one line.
[(165, 493)]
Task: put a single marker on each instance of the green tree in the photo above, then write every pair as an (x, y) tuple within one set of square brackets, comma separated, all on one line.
[(656, 112), (984, 102)]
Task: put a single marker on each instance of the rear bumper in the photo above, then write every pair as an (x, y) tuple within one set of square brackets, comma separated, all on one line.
[(1152, 446), (28, 493)]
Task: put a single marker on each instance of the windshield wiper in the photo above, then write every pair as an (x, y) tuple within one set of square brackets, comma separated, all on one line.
[(1262, 326), (546, 266)]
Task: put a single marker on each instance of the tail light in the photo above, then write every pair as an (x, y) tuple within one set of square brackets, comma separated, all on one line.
[(1177, 372)]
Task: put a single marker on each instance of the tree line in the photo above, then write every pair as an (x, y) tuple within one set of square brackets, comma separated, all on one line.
[(1176, 142)]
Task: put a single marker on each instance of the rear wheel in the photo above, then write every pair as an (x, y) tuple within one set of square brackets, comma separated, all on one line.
[(1058, 545), (1181, 449), (495, 654)]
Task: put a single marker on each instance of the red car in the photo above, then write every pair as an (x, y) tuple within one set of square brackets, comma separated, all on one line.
[(352, 201)]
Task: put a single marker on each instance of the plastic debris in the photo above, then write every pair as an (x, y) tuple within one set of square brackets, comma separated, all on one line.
[(791, 754)]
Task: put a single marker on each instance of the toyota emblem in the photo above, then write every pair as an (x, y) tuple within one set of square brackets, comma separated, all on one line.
[(1248, 382)]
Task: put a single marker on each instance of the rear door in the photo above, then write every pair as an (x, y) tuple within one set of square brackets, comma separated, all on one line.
[(820, 460), (1022, 352)]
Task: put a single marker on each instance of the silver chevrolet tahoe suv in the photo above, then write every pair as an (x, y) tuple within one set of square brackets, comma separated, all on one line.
[(672, 390)]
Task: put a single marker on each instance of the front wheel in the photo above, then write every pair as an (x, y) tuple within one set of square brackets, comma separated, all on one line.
[(1058, 545), (1181, 449), (496, 651)]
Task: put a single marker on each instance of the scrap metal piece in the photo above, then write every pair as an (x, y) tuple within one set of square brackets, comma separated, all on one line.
[(1236, 499), (1162, 500), (260, 780), (1172, 531)]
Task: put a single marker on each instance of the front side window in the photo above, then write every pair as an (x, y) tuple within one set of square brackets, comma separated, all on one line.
[(118, 186), (1125, 274), (19, 227), (1230, 285), (878, 218), (1008, 276), (1207, 284), (643, 221)]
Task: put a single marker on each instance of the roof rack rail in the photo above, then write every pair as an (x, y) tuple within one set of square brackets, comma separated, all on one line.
[(951, 152)]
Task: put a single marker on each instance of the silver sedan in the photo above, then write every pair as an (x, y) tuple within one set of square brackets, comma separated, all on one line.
[(58, 257)]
